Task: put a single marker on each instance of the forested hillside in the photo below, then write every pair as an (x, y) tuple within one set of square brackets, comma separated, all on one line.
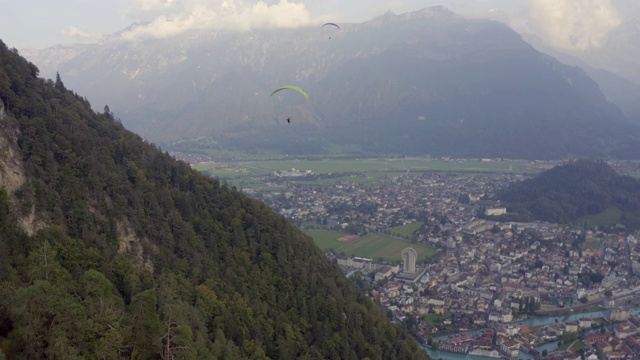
[(571, 191), (111, 249)]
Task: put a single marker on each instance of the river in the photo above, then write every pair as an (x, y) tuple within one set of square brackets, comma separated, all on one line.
[(539, 321)]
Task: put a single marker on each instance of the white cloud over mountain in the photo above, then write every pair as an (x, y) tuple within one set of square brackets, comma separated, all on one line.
[(165, 18), (573, 24)]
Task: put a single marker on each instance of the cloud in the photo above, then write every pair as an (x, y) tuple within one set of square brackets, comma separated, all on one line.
[(165, 18), (79, 35), (395, 7), (573, 24)]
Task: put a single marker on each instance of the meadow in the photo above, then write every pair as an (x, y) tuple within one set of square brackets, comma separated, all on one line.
[(609, 217), (371, 246), (405, 230)]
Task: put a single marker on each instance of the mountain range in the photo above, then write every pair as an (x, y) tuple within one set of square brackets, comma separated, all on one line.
[(621, 91), (425, 82)]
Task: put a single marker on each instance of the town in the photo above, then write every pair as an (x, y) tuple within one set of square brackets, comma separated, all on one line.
[(486, 276)]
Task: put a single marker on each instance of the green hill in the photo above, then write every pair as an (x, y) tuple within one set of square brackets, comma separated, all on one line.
[(109, 249), (581, 191)]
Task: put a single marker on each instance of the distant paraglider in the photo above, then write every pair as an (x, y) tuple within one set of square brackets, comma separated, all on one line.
[(330, 24), (291, 87)]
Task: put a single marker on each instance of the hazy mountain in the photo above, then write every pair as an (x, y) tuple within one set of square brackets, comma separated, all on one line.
[(620, 91), (416, 83), (111, 249), (620, 52)]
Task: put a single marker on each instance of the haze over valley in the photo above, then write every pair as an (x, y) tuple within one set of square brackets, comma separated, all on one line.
[(424, 82)]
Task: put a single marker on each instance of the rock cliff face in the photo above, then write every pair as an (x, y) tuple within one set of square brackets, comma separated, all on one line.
[(12, 175), (422, 82), (11, 169)]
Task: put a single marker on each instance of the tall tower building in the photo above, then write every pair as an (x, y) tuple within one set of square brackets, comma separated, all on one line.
[(409, 256)]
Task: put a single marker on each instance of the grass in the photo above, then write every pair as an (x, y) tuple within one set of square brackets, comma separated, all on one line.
[(326, 239), (329, 165), (406, 230), (573, 345), (326, 166), (595, 244), (435, 318), (611, 216), (251, 167), (370, 246)]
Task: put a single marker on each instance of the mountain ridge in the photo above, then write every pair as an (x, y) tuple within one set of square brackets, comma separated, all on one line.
[(369, 83)]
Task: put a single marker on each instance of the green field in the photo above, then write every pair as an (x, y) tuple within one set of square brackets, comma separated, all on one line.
[(575, 345), (247, 170), (326, 239), (371, 246), (435, 319), (405, 230), (611, 216), (368, 165), (380, 164)]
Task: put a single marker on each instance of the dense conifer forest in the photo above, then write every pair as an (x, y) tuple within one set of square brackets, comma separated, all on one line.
[(111, 249), (571, 191)]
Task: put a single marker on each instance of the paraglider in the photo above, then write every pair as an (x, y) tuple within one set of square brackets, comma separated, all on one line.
[(330, 24), (333, 24), (291, 87)]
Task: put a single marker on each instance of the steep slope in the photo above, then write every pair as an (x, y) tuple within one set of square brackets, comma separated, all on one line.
[(421, 82), (475, 90), (111, 249), (619, 52), (620, 91), (574, 190)]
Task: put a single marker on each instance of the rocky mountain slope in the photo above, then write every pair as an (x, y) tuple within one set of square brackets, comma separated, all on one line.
[(109, 248)]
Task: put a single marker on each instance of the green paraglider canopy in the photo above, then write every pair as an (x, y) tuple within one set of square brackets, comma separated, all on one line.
[(290, 87)]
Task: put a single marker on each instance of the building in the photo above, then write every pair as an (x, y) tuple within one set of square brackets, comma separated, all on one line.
[(584, 323), (618, 315), (409, 257), (571, 326), (624, 330), (495, 211), (385, 272)]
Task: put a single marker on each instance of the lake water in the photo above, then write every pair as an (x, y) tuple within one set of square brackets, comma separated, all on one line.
[(436, 354)]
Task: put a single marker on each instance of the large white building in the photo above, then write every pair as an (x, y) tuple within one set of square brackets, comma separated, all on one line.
[(409, 257), (495, 211)]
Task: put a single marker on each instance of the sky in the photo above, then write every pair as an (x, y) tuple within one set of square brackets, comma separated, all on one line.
[(568, 24)]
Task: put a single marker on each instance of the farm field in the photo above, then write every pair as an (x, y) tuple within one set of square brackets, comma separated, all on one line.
[(368, 165), (245, 172), (371, 246), (381, 164)]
